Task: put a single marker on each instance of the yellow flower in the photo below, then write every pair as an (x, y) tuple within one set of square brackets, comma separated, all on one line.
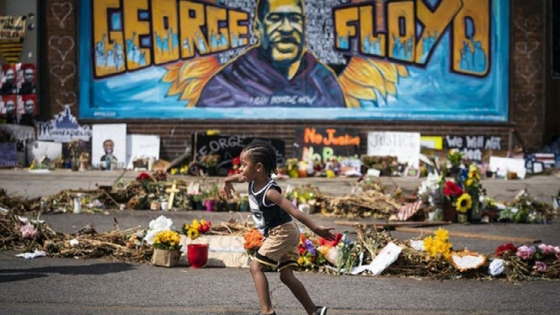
[(300, 261), (469, 181), (174, 171), (193, 233), (195, 224), (202, 222), (464, 203), (442, 234), (186, 226)]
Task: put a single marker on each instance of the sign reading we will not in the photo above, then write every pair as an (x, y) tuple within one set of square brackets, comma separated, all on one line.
[(472, 147)]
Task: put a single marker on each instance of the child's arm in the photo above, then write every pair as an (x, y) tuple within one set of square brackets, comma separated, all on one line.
[(227, 188), (324, 232)]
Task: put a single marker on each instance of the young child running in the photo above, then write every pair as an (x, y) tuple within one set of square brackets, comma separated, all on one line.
[(273, 214)]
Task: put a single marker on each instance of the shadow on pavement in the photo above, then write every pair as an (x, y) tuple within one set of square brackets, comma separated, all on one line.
[(31, 273)]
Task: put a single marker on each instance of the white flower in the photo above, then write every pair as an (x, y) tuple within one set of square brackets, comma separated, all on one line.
[(160, 224), (430, 184), (74, 242), (496, 267)]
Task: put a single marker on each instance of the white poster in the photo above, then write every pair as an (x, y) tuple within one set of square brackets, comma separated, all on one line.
[(502, 165), (404, 145), (109, 146), (141, 146), (37, 149)]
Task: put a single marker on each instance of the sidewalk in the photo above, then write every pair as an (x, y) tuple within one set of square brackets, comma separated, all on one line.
[(23, 183), (20, 182)]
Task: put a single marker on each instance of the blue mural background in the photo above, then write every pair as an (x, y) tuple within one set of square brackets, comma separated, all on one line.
[(430, 93)]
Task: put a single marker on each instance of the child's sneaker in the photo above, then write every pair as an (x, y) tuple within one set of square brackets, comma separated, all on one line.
[(321, 310)]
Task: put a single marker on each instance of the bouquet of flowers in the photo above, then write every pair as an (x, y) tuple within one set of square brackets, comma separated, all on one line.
[(528, 261), (253, 241), (439, 245), (194, 230), (167, 240)]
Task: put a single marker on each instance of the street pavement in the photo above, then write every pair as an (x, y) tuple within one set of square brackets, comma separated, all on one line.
[(69, 286)]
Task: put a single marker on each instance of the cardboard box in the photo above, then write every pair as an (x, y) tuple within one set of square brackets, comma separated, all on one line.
[(166, 258), (223, 251)]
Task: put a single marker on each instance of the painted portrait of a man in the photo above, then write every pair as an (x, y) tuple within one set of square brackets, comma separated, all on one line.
[(278, 71)]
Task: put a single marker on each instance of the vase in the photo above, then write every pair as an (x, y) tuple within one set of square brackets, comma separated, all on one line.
[(449, 212), (197, 255), (462, 218), (166, 257), (475, 212), (231, 206), (209, 205), (244, 206)]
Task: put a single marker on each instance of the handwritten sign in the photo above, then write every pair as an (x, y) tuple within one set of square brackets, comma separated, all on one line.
[(8, 154), (320, 144), (229, 147), (473, 147), (63, 128), (404, 145)]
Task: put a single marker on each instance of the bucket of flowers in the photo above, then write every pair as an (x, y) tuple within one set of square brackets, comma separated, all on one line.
[(166, 249)]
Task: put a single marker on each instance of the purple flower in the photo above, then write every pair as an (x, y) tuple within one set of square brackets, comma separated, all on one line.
[(525, 252), (540, 266), (547, 249), (310, 248)]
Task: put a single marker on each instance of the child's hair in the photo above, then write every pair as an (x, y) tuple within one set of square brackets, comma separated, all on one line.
[(264, 153)]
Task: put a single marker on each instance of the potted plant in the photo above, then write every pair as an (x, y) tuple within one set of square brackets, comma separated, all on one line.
[(209, 163), (197, 202), (166, 249), (232, 203), (244, 203), (455, 158)]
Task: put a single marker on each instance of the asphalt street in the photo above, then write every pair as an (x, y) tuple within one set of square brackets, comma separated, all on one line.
[(70, 286)]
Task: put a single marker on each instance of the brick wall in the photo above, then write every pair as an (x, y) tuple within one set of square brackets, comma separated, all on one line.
[(59, 57), (527, 100)]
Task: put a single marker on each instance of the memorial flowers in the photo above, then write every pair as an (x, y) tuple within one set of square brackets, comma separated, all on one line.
[(167, 240), (438, 245), (196, 228), (253, 241), (464, 203)]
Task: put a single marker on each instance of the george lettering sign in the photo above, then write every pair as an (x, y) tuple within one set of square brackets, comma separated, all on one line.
[(229, 147)]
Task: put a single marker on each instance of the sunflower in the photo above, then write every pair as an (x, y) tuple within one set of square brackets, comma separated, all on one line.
[(464, 203), (193, 234)]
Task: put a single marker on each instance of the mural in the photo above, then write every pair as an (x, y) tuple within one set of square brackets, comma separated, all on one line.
[(287, 59)]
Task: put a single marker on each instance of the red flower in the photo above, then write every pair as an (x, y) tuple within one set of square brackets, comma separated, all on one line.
[(143, 177), (301, 249), (505, 249), (323, 241)]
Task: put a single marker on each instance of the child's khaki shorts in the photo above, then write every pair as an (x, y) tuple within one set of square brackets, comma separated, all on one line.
[(279, 249)]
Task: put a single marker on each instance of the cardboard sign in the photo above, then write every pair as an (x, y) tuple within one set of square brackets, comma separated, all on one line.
[(109, 144), (229, 147), (473, 147), (142, 146), (320, 144), (63, 128), (404, 145), (8, 154)]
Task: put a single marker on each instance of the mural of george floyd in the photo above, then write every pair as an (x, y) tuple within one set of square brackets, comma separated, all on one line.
[(416, 60)]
